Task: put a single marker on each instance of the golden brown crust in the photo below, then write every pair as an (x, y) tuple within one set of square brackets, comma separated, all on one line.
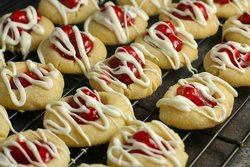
[(136, 91), (48, 10), (234, 78), (37, 97), (4, 125)]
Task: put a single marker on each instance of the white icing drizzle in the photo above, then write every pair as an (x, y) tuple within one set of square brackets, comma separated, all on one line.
[(239, 27), (109, 19), (239, 4), (6, 158), (206, 83), (197, 17), (6, 118), (156, 3), (45, 82), (23, 38), (166, 46), (162, 156), (64, 112), (63, 10), (222, 59), (102, 71), (2, 59), (60, 39)]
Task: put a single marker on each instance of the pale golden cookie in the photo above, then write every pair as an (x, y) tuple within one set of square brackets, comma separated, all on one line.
[(34, 94), (212, 104), (106, 26), (236, 73), (76, 63), (61, 14), (48, 143), (4, 123), (151, 7), (127, 147), (105, 114)]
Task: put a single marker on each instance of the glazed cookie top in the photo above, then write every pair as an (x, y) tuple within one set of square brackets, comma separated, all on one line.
[(233, 55), (70, 6), (237, 3), (116, 19), (28, 152), (84, 108), (16, 79), (196, 11), (241, 25), (164, 36), (125, 67), (15, 28), (71, 44), (200, 93), (141, 139), (154, 2)]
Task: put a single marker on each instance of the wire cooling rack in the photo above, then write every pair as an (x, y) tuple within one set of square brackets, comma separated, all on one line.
[(224, 145)]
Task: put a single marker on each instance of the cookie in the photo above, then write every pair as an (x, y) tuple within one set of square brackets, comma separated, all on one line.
[(202, 101), (168, 46), (146, 144), (5, 124), (87, 118), (29, 86), (151, 7), (197, 18), (115, 25), (71, 51), (23, 30), (237, 28), (34, 148), (126, 72), (64, 12), (231, 62)]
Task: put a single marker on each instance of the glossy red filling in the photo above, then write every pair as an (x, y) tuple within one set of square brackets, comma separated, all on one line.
[(88, 44), (70, 3), (125, 19), (222, 2), (183, 7), (170, 33), (20, 158), (25, 83), (144, 137), (195, 95), (91, 115), (245, 18), (115, 63)]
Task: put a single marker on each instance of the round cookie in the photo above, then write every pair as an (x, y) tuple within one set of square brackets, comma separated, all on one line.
[(202, 101), (67, 12), (146, 144), (34, 148), (151, 7), (167, 46), (231, 62), (29, 86), (225, 9), (197, 18), (126, 72), (71, 51), (87, 118), (92, 165), (237, 28), (115, 25), (5, 124), (22, 33)]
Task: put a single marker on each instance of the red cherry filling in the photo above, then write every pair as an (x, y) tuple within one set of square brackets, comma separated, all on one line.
[(116, 63), (70, 3), (222, 2), (195, 95), (183, 7), (245, 18), (20, 158), (125, 19), (88, 44), (25, 83), (91, 115)]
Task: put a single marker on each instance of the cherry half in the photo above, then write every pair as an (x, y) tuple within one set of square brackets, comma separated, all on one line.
[(245, 18), (222, 2), (88, 44), (25, 83), (70, 3), (195, 95), (20, 158)]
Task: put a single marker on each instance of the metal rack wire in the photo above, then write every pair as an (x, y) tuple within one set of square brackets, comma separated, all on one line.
[(219, 144)]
